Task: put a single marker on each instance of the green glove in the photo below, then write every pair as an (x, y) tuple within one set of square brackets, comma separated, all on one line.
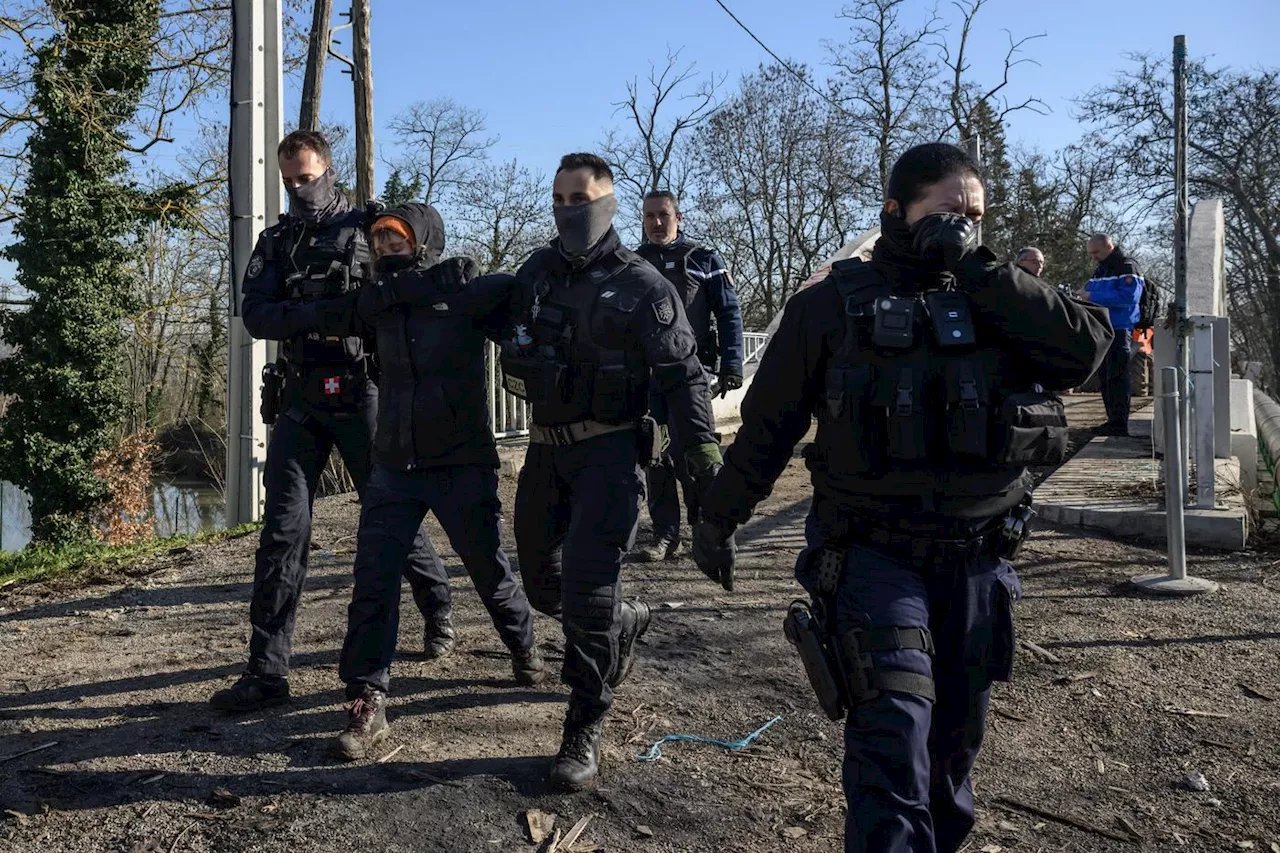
[(702, 458)]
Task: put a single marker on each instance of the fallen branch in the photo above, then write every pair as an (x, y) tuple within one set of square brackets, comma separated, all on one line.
[(1191, 712), (42, 746), (185, 830), (390, 755), (1041, 652), (1017, 805)]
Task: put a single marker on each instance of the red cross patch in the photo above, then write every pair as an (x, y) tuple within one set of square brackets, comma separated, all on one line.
[(333, 385)]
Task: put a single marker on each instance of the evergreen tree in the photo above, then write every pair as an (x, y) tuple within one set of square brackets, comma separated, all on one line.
[(399, 191), (73, 252)]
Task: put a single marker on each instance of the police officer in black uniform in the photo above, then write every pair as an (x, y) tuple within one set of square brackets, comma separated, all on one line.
[(595, 328), (931, 371), (433, 451), (295, 281), (711, 306)]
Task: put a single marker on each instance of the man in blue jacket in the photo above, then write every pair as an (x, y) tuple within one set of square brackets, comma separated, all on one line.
[(700, 277), (1117, 284)]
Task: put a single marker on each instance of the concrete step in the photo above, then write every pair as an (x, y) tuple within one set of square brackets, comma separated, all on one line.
[(1113, 484)]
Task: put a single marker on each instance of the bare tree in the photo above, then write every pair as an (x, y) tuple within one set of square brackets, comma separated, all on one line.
[(441, 143), (887, 78), (774, 186), (662, 114), (317, 53), (965, 96), (501, 214)]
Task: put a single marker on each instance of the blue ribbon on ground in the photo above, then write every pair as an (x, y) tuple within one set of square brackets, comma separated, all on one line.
[(655, 751)]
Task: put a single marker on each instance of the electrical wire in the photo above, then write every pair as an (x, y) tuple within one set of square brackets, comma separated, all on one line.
[(787, 65)]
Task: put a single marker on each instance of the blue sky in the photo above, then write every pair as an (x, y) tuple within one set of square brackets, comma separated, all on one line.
[(548, 71)]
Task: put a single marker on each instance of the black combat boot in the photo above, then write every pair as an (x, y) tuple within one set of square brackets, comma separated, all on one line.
[(251, 693), (438, 637), (578, 760), (635, 621), (366, 726), (528, 666)]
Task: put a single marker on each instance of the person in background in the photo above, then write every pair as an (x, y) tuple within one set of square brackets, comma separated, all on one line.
[(711, 306), (1117, 285), (1030, 259)]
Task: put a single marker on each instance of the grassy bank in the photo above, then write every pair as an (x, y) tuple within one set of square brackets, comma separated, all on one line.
[(43, 563)]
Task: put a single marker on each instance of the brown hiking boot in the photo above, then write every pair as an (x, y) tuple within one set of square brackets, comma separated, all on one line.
[(366, 726)]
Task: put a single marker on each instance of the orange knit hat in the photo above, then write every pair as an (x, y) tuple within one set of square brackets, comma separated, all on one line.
[(396, 224)]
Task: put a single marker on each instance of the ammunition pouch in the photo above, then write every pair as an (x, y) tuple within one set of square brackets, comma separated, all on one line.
[(1032, 429), (538, 381)]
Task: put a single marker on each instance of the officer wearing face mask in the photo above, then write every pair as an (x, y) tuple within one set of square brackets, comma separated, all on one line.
[(304, 272), (932, 371), (595, 329)]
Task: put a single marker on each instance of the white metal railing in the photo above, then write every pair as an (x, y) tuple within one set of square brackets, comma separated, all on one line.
[(509, 415)]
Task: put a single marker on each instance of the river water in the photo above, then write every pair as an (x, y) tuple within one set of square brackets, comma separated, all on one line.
[(177, 507)]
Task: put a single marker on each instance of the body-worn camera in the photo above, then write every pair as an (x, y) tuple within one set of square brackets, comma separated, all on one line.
[(895, 322)]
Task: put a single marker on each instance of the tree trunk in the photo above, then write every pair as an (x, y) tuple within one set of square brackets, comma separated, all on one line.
[(317, 53), (363, 81)]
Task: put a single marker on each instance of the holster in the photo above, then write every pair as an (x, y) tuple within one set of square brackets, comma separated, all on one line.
[(1016, 530), (820, 659), (649, 442), (272, 392)]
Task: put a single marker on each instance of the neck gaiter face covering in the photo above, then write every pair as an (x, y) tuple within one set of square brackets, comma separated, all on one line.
[(312, 201), (582, 226)]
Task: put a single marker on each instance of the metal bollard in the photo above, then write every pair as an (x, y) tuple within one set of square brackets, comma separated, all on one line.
[(1176, 581)]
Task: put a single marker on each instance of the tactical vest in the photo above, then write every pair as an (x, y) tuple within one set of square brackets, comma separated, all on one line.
[(569, 367), (917, 406), (322, 263), (693, 293)]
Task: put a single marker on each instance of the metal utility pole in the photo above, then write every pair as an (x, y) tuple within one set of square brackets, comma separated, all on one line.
[(256, 200), (317, 53), (1181, 332), (362, 79)]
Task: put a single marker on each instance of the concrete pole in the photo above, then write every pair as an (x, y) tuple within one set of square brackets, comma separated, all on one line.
[(1205, 428), (1176, 582), (255, 202)]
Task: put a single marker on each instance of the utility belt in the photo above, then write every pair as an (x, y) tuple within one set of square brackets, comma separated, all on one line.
[(326, 387), (649, 436), (839, 666)]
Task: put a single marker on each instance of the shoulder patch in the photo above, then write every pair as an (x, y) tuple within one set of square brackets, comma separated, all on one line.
[(664, 311), (255, 266)]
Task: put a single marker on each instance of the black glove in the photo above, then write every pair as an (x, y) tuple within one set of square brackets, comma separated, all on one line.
[(452, 274), (946, 239), (729, 382), (715, 552)]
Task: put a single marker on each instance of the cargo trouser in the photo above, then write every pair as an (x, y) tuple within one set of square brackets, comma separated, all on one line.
[(464, 499), (576, 513), (296, 457), (908, 759)]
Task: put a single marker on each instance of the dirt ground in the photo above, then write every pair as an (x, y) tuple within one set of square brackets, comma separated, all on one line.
[(115, 672)]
